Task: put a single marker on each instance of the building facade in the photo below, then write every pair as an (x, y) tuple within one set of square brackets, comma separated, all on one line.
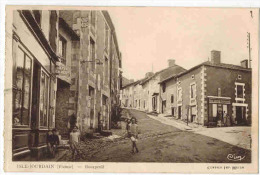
[(64, 64), (201, 95), (98, 75), (211, 89), (34, 40)]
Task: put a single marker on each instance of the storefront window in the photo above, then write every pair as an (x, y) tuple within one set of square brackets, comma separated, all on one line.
[(214, 110), (22, 89), (44, 99)]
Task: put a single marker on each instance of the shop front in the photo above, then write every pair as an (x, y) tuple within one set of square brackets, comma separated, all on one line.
[(220, 111), (33, 105), (33, 88)]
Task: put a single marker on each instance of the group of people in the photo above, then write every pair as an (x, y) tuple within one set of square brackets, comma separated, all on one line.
[(132, 132), (224, 120), (53, 141)]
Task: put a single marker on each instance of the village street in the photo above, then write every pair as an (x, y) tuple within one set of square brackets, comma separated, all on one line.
[(158, 142)]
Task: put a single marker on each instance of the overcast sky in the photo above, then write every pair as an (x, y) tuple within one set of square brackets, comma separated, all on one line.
[(151, 35)]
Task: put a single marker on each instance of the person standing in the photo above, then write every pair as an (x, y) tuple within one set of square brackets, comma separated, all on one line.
[(225, 118), (134, 135), (74, 141), (219, 119), (228, 120)]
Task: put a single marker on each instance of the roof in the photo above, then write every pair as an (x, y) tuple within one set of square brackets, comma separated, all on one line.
[(219, 65), (167, 72), (129, 84), (112, 27), (65, 25), (208, 63)]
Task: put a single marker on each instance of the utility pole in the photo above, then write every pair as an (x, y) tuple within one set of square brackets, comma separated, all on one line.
[(249, 49), (249, 44)]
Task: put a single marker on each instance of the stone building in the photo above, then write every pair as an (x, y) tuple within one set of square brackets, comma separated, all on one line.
[(31, 47), (212, 87), (144, 94), (168, 88), (97, 69), (65, 101), (63, 63), (151, 87)]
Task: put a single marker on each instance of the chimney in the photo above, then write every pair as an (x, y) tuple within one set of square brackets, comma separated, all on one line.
[(215, 57), (171, 62), (148, 74), (244, 63)]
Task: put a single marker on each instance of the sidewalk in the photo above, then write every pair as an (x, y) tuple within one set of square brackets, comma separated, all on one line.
[(239, 136)]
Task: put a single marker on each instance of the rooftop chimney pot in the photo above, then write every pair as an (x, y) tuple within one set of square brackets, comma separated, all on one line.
[(171, 62), (244, 63), (215, 57)]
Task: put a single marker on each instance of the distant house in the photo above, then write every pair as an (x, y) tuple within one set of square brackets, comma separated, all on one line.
[(167, 93)]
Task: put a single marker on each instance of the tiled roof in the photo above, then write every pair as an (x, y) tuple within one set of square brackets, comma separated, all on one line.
[(169, 71), (207, 63)]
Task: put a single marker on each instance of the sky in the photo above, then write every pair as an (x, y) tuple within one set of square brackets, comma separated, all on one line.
[(149, 36)]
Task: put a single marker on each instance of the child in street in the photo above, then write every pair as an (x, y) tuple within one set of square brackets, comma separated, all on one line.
[(134, 135), (128, 123), (53, 141), (74, 141)]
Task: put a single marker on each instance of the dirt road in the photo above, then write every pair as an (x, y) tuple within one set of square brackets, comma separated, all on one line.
[(160, 143)]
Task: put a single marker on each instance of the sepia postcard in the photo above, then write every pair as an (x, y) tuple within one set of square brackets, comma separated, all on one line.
[(131, 89)]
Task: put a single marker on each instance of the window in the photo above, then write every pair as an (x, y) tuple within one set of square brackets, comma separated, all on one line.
[(192, 77), (106, 37), (106, 70), (93, 18), (172, 98), (192, 91), (22, 89), (104, 100), (173, 111), (163, 87), (214, 110), (240, 91), (179, 94), (62, 49), (239, 77), (37, 16), (44, 99), (92, 54)]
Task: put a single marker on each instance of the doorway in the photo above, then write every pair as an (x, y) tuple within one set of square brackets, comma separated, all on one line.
[(240, 115), (179, 112), (163, 106), (173, 111)]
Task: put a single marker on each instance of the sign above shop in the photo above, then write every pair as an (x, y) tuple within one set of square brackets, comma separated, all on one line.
[(63, 72), (220, 101)]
